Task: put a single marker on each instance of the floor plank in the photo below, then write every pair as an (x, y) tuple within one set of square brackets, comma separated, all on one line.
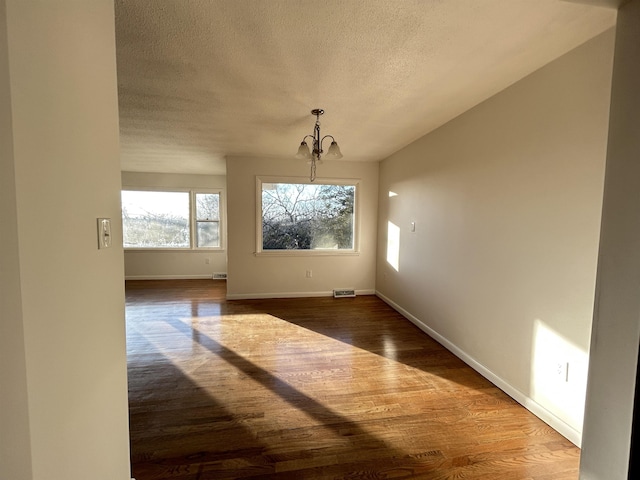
[(314, 388)]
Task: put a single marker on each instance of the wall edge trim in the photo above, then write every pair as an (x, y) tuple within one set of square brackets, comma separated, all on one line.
[(563, 428)]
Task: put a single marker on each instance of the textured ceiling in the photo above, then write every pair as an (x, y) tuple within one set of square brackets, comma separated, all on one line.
[(201, 81)]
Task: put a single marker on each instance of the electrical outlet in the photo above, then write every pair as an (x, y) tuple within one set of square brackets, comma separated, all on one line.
[(562, 371), (207, 261), (309, 274)]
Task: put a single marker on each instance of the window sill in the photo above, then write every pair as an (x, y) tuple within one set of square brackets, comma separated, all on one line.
[(174, 250), (307, 253)]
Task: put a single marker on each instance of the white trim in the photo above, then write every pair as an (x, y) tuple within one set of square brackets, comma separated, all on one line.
[(171, 277), (221, 219), (307, 253), (256, 296), (534, 407), (174, 250)]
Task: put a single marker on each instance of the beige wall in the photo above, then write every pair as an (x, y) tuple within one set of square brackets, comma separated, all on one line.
[(64, 356), (506, 202), (616, 322), (263, 276), (149, 264)]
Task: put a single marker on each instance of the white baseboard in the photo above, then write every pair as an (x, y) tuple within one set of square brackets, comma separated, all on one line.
[(256, 296), (534, 407), (169, 277)]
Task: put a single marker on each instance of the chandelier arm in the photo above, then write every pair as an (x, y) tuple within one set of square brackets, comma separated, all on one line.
[(327, 136)]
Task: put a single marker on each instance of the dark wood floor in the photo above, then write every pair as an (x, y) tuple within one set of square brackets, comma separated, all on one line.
[(314, 388)]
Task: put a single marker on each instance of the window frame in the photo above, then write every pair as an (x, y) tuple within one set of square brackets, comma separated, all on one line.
[(260, 180), (192, 219)]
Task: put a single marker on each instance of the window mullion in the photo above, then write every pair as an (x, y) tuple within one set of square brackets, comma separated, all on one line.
[(192, 219)]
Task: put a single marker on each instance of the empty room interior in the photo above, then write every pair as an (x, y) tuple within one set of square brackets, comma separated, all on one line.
[(466, 177)]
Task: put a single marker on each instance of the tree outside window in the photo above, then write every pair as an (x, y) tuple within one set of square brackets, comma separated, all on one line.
[(307, 216)]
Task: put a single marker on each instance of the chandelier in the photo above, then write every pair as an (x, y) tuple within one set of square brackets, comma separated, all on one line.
[(315, 156)]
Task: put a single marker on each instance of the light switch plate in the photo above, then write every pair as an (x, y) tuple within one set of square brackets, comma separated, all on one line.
[(104, 233)]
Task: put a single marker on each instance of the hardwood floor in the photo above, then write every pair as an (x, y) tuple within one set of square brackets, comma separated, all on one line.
[(314, 388)]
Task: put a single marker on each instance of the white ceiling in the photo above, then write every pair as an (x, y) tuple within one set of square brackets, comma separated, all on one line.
[(202, 81)]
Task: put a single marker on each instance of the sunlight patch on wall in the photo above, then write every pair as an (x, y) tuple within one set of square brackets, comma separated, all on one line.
[(392, 194), (393, 245), (558, 374)]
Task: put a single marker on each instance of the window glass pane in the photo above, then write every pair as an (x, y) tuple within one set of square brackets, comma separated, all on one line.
[(207, 206), (208, 234), (155, 219), (307, 216)]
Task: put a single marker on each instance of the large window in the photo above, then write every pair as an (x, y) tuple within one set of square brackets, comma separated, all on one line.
[(174, 220), (314, 217)]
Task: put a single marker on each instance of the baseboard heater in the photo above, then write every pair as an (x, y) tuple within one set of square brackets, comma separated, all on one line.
[(344, 293), (219, 276)]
